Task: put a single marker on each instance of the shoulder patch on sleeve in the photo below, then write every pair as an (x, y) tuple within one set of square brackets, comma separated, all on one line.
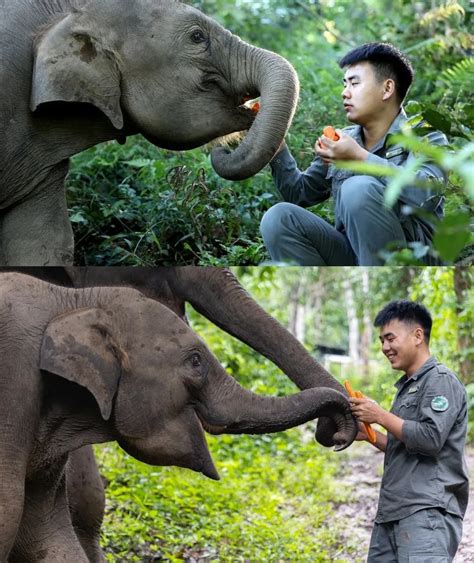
[(440, 403)]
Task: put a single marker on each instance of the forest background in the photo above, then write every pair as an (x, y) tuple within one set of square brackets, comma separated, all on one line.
[(278, 493), (137, 205)]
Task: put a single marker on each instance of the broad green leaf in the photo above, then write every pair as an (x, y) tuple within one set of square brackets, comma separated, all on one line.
[(452, 233), (405, 175), (417, 145), (368, 168), (438, 120)]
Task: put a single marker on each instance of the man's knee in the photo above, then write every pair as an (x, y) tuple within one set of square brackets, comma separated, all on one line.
[(358, 193), (274, 218)]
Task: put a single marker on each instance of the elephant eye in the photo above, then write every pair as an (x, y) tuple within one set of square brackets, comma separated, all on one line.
[(198, 36), (196, 360)]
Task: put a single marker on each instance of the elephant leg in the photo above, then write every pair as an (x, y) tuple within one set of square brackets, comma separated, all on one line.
[(37, 231), (2, 256), (86, 500), (12, 493), (20, 416), (46, 532)]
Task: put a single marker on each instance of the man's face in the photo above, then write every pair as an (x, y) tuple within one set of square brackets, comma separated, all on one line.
[(363, 93), (401, 344)]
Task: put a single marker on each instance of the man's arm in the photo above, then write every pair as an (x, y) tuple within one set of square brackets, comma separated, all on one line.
[(301, 188), (426, 435), (380, 438)]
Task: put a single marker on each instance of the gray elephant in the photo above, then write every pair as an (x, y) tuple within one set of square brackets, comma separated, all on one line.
[(75, 73), (90, 365)]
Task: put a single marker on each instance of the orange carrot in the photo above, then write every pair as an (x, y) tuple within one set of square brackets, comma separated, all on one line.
[(358, 395), (330, 133)]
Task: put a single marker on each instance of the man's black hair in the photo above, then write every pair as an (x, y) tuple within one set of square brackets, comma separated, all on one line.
[(408, 312), (388, 62)]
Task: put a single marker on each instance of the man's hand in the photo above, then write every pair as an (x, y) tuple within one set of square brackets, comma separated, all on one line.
[(346, 148), (366, 410)]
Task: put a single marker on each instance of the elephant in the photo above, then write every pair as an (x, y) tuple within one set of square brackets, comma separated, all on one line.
[(107, 363), (76, 73)]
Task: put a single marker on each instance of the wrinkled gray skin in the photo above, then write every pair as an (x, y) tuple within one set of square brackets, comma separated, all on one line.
[(84, 366), (78, 72)]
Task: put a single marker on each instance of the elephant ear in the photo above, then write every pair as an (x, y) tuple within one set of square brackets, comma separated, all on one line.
[(71, 66), (81, 347)]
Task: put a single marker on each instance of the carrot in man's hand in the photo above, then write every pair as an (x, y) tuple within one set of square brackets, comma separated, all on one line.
[(358, 395), (330, 133)]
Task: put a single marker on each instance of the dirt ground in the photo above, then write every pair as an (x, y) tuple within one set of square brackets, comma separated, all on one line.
[(362, 470)]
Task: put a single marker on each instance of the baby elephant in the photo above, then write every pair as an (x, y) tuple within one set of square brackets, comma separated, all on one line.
[(84, 366)]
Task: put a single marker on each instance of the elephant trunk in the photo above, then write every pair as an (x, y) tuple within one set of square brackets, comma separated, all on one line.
[(216, 294), (234, 410), (277, 82)]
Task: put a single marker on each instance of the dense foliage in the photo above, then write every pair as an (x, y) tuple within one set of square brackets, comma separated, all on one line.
[(278, 491), (132, 205)]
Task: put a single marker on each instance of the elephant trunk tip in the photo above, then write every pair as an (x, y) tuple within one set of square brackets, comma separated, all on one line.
[(235, 165)]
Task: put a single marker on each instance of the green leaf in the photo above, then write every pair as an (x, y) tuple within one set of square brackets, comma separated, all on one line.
[(438, 120), (405, 175), (139, 162), (368, 168), (420, 146), (452, 233)]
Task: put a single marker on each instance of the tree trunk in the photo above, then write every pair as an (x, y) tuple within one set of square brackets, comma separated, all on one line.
[(462, 285), (367, 324)]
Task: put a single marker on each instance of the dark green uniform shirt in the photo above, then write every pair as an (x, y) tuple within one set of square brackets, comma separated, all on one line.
[(427, 469)]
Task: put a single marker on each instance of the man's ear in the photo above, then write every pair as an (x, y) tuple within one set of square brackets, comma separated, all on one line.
[(72, 66), (81, 347), (419, 335), (389, 89)]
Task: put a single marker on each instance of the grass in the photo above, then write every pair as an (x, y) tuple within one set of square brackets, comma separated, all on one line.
[(272, 503)]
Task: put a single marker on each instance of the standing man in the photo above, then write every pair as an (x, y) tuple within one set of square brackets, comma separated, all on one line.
[(424, 490), (376, 81)]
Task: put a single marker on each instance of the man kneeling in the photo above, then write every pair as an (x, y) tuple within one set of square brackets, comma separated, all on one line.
[(376, 81)]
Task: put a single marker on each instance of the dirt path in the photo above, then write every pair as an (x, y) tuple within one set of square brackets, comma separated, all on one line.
[(361, 472)]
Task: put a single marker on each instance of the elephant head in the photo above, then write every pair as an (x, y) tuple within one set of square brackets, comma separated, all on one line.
[(158, 387), (164, 69)]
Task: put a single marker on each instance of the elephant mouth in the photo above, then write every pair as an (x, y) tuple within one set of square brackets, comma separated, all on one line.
[(248, 103), (210, 428)]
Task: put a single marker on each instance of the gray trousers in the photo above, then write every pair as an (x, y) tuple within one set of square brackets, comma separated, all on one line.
[(365, 225), (427, 536)]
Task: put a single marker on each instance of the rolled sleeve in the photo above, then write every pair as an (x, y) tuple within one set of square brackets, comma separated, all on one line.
[(427, 434), (300, 188)]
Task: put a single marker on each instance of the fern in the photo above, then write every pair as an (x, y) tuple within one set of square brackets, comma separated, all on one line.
[(460, 75)]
